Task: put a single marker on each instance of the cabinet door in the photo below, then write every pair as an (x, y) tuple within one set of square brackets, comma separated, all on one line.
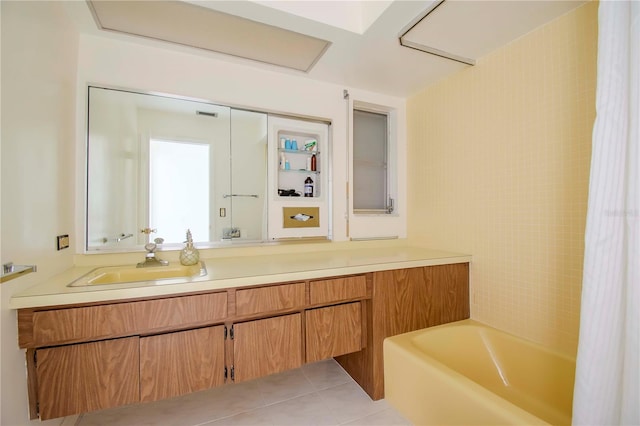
[(183, 362), (89, 376), (267, 346), (333, 331)]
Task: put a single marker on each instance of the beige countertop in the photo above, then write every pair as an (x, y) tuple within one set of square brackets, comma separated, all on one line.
[(228, 272)]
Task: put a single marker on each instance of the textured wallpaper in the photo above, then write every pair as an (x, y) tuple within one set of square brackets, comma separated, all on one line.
[(498, 161)]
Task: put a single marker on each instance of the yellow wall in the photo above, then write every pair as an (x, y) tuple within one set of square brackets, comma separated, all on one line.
[(498, 166)]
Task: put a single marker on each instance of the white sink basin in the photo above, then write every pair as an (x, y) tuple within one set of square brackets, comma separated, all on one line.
[(108, 275)]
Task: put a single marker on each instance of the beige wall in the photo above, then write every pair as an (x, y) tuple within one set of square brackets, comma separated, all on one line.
[(38, 143), (154, 69), (498, 166)]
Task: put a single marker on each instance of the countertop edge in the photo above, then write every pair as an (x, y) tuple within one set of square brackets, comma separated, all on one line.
[(123, 294)]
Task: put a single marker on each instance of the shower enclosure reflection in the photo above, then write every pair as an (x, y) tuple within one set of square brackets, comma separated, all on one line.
[(158, 165)]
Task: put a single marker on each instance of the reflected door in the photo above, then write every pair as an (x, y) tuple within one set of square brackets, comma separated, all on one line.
[(185, 164), (169, 164), (248, 176)]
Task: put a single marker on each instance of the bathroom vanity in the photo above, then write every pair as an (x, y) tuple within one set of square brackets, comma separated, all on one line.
[(90, 349)]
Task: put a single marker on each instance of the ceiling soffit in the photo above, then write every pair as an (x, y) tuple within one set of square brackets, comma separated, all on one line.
[(200, 27)]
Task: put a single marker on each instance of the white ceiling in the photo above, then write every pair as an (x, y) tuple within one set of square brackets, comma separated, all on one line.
[(365, 52)]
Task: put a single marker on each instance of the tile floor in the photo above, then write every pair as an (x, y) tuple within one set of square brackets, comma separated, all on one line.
[(316, 394)]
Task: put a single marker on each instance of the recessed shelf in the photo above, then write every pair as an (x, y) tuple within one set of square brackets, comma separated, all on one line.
[(309, 172), (305, 169), (296, 166), (298, 151)]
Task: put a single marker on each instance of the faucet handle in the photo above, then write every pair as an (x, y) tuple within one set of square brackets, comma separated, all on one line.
[(150, 247)]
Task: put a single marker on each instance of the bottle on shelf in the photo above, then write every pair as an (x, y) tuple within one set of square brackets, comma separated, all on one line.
[(283, 161), (313, 163), (308, 187)]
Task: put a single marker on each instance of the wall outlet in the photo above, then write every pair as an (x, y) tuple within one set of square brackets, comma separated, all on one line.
[(63, 241)]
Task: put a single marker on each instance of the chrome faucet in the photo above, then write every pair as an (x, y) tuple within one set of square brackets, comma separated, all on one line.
[(150, 257)]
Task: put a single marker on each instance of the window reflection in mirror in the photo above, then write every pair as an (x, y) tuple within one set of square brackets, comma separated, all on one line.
[(168, 164), (179, 174)]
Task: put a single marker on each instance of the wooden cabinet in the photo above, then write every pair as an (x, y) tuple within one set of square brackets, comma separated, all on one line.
[(333, 331), (88, 376), (405, 300), (451, 299), (182, 362), (97, 356), (267, 346)]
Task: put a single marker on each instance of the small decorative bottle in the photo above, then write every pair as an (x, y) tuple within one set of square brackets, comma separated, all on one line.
[(313, 163), (308, 187), (189, 255)]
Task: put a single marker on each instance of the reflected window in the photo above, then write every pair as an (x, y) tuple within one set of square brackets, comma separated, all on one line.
[(179, 178)]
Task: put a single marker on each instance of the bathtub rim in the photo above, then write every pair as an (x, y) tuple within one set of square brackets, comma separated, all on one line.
[(403, 343), (471, 321)]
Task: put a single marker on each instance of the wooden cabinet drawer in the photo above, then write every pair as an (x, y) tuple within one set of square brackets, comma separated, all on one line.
[(182, 362), (273, 298), (334, 290), (267, 346), (333, 331), (88, 376), (122, 319)]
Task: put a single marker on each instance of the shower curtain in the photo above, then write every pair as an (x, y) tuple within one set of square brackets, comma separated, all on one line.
[(607, 371)]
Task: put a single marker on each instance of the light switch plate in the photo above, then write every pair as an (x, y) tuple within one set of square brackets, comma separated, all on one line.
[(63, 241)]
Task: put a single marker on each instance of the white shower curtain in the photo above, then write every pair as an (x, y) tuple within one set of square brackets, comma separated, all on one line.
[(607, 372)]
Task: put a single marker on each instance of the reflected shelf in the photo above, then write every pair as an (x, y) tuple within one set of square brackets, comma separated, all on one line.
[(298, 151), (309, 172)]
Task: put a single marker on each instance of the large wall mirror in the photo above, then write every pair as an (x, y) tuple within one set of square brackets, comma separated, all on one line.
[(159, 165)]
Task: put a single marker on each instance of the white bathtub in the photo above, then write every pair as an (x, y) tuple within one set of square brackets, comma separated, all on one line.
[(466, 373)]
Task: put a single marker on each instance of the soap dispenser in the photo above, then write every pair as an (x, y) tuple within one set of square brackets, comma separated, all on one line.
[(189, 255)]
